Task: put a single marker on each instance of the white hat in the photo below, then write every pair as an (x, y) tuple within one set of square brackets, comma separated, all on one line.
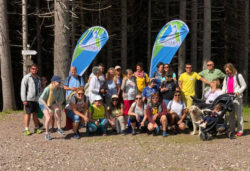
[(114, 96), (117, 67), (97, 97)]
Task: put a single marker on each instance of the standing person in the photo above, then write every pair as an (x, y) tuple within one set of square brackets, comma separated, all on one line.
[(116, 115), (148, 91), (129, 89), (158, 74), (141, 77), (211, 74), (52, 99), (76, 110), (95, 84), (177, 112), (120, 76), (157, 115), (101, 76), (40, 113), (187, 82), (30, 91), (73, 82), (168, 88), (234, 83), (112, 84), (168, 71), (137, 114), (97, 115)]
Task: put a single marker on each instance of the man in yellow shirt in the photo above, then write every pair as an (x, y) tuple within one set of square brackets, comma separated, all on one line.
[(187, 82)]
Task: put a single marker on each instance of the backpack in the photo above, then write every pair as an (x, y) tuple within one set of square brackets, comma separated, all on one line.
[(237, 79)]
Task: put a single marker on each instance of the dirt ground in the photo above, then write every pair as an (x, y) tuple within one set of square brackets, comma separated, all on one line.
[(117, 152)]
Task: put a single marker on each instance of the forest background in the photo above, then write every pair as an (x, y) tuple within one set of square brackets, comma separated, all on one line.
[(219, 30)]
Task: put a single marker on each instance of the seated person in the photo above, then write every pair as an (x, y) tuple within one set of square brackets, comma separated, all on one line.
[(137, 114), (167, 89), (156, 115), (211, 117), (149, 90), (76, 110), (213, 92), (116, 115), (97, 117), (177, 112)]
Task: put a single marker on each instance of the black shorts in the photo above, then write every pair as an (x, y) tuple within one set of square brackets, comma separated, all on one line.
[(31, 107)]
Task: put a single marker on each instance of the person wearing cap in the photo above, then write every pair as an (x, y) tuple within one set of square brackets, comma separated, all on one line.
[(149, 90), (95, 84), (141, 77), (52, 99), (76, 110), (97, 115), (168, 88), (116, 115), (30, 91)]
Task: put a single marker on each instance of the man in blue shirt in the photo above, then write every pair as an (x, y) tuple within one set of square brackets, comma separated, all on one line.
[(73, 82), (149, 90)]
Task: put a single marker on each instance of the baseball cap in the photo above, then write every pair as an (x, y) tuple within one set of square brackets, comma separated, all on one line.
[(56, 78), (97, 97), (117, 67), (114, 96)]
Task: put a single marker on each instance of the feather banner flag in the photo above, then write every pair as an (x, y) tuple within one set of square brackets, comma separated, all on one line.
[(88, 46), (167, 43)]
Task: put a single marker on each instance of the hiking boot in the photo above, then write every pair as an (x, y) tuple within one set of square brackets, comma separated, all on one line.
[(37, 130), (164, 134), (27, 132), (133, 132), (76, 136), (60, 131), (47, 137)]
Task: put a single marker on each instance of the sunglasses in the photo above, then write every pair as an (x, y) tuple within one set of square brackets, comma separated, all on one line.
[(209, 64), (166, 67), (177, 95), (138, 98), (80, 94), (188, 67)]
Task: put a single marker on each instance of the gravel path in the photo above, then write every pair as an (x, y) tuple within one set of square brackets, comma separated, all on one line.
[(117, 152)]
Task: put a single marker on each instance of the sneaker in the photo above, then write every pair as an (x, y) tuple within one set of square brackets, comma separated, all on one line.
[(37, 130), (47, 137), (27, 132), (76, 136), (133, 132), (52, 130), (60, 131), (164, 134), (239, 134)]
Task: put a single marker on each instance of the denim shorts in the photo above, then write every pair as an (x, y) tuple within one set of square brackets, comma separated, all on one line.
[(42, 107), (73, 116)]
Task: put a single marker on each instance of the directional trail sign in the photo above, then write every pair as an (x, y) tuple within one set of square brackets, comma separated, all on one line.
[(29, 52)]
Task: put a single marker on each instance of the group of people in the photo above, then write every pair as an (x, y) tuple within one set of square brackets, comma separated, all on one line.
[(130, 100)]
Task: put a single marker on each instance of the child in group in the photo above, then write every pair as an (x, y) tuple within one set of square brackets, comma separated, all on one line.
[(148, 91), (168, 88), (211, 117)]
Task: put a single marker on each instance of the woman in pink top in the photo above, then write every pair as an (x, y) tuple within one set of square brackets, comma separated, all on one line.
[(234, 83)]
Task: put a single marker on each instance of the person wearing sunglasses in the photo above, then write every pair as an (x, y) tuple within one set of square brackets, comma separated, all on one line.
[(177, 112), (116, 115), (137, 114), (76, 109), (234, 83), (157, 115), (30, 91), (187, 82), (211, 74), (169, 71)]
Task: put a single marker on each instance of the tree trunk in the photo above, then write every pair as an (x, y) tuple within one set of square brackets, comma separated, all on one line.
[(38, 39), (207, 33), (26, 59), (61, 42), (194, 35), (167, 10), (124, 33), (149, 53), (109, 43), (182, 49), (73, 29), (6, 69)]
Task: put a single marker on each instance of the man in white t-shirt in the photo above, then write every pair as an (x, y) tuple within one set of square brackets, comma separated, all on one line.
[(177, 112)]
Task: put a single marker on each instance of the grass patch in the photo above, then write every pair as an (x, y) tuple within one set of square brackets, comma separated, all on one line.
[(4, 113)]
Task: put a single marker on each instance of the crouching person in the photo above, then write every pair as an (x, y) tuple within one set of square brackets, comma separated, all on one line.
[(156, 115), (76, 110), (177, 113), (137, 115), (116, 115), (97, 117)]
